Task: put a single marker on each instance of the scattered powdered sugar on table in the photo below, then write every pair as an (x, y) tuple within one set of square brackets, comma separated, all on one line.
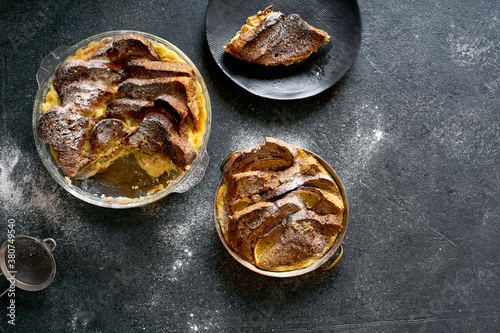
[(184, 260), (301, 140), (207, 323), (469, 47), (10, 193), (246, 138), (27, 193), (365, 142), (379, 135), (179, 235)]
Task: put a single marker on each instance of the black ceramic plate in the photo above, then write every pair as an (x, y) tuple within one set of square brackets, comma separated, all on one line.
[(339, 18)]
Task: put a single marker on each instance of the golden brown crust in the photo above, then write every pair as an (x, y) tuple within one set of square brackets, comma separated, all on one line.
[(73, 70), (129, 108), (105, 145), (319, 200), (299, 241), (82, 97), (278, 154), (248, 234)]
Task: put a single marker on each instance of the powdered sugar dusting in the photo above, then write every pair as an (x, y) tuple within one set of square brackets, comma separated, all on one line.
[(10, 193), (366, 141), (207, 322), (301, 140), (378, 135), (181, 262), (26, 190), (180, 234), (469, 47), (246, 138)]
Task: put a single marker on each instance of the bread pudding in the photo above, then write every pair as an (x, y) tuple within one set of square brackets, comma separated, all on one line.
[(278, 207), (271, 38), (123, 96)]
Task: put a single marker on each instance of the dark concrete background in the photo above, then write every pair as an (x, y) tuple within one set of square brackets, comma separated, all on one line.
[(412, 130)]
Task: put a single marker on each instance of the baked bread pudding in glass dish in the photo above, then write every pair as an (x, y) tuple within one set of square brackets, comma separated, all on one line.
[(122, 119)]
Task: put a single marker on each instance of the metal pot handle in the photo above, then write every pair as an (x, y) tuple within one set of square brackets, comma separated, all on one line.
[(335, 262)]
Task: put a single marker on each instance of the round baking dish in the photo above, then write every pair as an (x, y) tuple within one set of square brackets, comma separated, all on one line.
[(110, 193), (325, 263)]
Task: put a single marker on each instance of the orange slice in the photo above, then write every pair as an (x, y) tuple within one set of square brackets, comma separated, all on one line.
[(265, 243)]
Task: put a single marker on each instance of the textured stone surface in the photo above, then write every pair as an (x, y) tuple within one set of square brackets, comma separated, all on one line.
[(412, 129)]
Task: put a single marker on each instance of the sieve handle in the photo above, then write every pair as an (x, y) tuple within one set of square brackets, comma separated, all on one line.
[(53, 242)]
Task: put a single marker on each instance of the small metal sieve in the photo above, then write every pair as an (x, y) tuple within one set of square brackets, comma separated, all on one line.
[(28, 263)]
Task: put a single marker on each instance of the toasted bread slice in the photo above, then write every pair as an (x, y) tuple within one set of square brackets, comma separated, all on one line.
[(183, 88), (67, 134), (157, 135), (72, 70), (124, 47), (106, 146), (271, 38), (148, 69)]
